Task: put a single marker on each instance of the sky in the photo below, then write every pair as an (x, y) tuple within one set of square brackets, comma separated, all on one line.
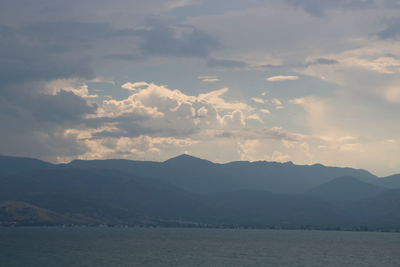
[(307, 81)]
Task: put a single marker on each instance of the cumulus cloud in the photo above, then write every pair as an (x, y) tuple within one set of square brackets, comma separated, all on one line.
[(344, 109), (134, 86), (76, 86), (141, 147), (159, 110)]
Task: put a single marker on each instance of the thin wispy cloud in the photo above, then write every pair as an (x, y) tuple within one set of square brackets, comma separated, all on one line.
[(280, 78), (258, 100), (209, 79)]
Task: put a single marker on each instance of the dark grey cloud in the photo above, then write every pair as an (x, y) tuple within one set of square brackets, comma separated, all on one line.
[(215, 7), (64, 106), (226, 63), (71, 34), (275, 133), (318, 7), (34, 124), (35, 53), (49, 50), (180, 41), (323, 61), (391, 3), (391, 31), (124, 57), (29, 55), (60, 108)]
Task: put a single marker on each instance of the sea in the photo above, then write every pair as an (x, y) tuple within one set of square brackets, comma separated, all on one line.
[(135, 246)]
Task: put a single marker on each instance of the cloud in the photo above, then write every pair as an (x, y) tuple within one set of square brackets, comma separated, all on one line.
[(143, 147), (226, 63), (64, 106), (276, 102), (179, 41), (158, 110), (391, 30), (281, 78), (264, 110), (134, 86), (392, 94), (319, 7), (76, 86), (234, 120), (322, 61), (258, 100), (209, 79), (119, 12), (36, 123), (344, 52), (27, 57)]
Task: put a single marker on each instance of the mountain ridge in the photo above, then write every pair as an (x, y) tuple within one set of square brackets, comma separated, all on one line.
[(188, 191)]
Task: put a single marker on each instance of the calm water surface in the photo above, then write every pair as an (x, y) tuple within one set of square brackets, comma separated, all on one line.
[(194, 247)]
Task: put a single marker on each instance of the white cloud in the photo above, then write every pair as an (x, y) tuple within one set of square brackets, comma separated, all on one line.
[(281, 78), (209, 79), (234, 120), (158, 107), (255, 117), (265, 111), (140, 147), (392, 94), (258, 100), (214, 98), (276, 102), (76, 86), (134, 86), (130, 106)]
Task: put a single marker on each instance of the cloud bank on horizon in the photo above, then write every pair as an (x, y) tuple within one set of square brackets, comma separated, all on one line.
[(296, 80)]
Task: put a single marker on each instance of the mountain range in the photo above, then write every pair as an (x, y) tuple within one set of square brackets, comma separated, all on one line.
[(188, 191)]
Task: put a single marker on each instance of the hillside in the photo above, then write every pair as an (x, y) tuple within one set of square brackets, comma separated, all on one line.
[(202, 176), (187, 191)]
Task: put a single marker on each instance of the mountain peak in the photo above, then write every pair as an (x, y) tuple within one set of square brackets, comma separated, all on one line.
[(185, 158)]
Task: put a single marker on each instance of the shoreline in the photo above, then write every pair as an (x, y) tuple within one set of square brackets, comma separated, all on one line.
[(121, 226)]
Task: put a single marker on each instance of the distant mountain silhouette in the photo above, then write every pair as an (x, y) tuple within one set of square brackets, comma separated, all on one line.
[(108, 195), (382, 211), (185, 159), (188, 191), (263, 209), (346, 190), (390, 181), (202, 176), (18, 164)]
